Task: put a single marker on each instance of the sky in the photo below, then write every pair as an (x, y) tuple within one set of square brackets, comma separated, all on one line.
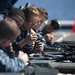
[(57, 9)]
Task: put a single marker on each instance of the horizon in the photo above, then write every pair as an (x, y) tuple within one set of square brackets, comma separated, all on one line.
[(57, 9)]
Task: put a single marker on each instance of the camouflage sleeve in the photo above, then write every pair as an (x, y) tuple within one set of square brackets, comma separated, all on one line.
[(11, 64)]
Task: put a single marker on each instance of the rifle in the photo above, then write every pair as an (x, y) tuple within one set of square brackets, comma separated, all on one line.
[(37, 70), (41, 67), (65, 46), (63, 61), (62, 67)]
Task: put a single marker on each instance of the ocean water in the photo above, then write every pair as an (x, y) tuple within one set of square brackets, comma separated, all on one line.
[(57, 9)]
